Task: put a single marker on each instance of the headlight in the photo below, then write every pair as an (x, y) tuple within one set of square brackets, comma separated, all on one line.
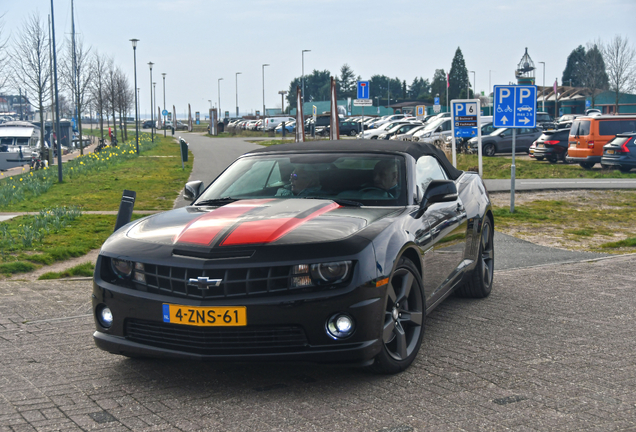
[(426, 135), (122, 268), (320, 274)]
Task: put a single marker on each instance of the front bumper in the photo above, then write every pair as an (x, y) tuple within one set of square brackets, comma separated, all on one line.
[(285, 326)]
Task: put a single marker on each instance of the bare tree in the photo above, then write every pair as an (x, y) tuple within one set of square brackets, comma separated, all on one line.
[(98, 88), (620, 60), (4, 56), (111, 92), (77, 75), (122, 100), (30, 61)]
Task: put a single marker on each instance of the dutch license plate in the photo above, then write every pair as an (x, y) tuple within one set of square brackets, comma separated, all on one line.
[(205, 315), (610, 152)]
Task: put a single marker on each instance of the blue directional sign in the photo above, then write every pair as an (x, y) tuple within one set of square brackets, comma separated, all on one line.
[(164, 112), (515, 106), (464, 113), (363, 89)]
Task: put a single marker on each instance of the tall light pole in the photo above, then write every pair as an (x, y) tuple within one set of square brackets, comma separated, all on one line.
[(164, 104), (282, 94), (378, 98), (236, 77), (134, 44), (303, 75), (264, 89), (152, 107), (474, 85), (219, 90), (489, 85), (543, 89), (154, 98)]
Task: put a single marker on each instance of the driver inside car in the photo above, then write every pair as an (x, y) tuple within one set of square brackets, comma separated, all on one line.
[(302, 183)]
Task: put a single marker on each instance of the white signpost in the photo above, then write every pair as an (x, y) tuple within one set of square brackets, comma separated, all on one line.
[(514, 107), (466, 123)]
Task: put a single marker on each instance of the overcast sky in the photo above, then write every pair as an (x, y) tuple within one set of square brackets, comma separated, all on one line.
[(195, 42)]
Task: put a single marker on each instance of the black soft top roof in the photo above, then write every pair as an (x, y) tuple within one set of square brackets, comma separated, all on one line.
[(414, 149)]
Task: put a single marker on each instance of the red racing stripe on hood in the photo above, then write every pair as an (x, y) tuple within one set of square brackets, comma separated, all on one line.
[(203, 230), (269, 230)]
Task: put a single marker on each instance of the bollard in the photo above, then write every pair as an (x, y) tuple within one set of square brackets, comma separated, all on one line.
[(125, 208)]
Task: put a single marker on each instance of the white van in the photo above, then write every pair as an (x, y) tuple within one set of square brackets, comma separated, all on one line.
[(270, 123)]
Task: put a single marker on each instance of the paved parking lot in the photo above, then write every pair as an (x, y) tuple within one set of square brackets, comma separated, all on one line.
[(551, 349)]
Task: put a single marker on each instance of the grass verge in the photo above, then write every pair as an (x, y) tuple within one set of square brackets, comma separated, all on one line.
[(499, 168), (155, 175), (594, 221), (85, 270)]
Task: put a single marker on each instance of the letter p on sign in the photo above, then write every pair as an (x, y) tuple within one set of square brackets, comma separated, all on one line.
[(523, 94), (504, 93), (459, 108)]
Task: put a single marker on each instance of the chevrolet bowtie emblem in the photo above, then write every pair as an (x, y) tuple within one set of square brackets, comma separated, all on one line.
[(203, 282)]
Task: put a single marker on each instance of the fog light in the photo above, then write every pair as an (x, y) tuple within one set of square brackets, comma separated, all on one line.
[(105, 316), (340, 326)]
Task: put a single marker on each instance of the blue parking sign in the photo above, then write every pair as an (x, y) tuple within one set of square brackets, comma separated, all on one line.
[(515, 106), (363, 89)]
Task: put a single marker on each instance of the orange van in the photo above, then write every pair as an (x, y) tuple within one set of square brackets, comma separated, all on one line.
[(588, 135)]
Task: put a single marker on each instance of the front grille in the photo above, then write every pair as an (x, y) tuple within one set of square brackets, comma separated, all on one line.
[(211, 340), (239, 282)]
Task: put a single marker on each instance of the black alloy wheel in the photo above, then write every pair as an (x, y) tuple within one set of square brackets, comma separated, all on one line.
[(480, 283), (552, 159), (403, 320), (352, 133), (489, 150)]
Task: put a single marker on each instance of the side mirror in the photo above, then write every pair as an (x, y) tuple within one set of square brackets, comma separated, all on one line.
[(437, 191), (192, 190)]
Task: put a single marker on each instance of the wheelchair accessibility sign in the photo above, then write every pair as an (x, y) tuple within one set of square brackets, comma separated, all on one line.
[(515, 106)]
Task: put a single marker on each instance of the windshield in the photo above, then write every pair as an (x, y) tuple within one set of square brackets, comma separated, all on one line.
[(367, 179)]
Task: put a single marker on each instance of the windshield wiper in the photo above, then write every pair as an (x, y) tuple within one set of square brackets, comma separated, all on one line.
[(217, 201)]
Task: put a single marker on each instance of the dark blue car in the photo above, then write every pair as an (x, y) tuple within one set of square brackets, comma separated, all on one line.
[(620, 152)]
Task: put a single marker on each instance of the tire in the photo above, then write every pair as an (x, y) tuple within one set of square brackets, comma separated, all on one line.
[(352, 133), (374, 137), (489, 150), (480, 283), (564, 158), (404, 306), (539, 158), (552, 159), (624, 169), (587, 165)]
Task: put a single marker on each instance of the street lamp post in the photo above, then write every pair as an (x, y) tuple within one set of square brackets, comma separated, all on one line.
[(152, 114), (134, 44), (282, 94), (164, 104), (474, 84), (303, 75), (543, 89), (263, 113), (236, 77), (219, 94), (378, 98), (154, 98)]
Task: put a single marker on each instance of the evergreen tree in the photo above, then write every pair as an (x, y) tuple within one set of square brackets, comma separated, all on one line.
[(420, 89), (573, 73), (459, 82), (347, 85), (438, 86), (317, 87), (594, 74)]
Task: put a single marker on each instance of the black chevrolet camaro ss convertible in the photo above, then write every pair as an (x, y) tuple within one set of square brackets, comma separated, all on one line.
[(327, 251)]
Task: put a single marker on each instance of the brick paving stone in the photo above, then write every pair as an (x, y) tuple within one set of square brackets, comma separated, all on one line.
[(553, 345)]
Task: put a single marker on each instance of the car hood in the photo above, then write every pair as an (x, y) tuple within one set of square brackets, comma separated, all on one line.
[(257, 222)]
